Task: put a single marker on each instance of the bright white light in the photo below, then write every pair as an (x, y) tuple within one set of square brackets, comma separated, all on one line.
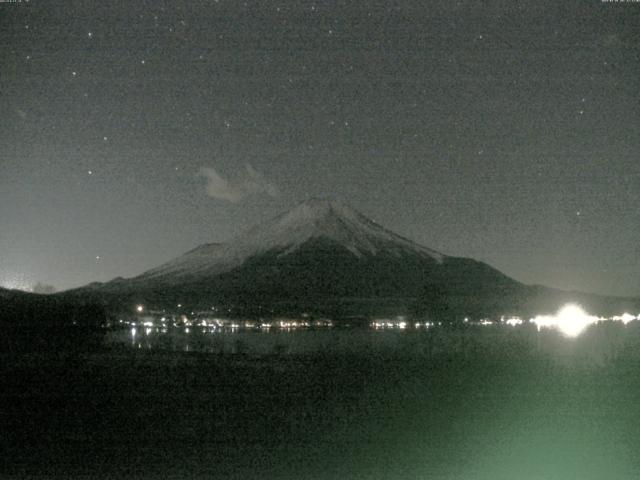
[(624, 318), (571, 320), (139, 308), (514, 321)]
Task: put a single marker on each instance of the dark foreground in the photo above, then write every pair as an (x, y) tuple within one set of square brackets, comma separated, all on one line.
[(506, 413)]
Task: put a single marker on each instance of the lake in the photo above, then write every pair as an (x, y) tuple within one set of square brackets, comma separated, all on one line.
[(446, 404), (598, 343)]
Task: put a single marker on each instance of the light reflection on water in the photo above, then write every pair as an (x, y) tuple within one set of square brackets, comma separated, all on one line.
[(260, 341), (598, 343)]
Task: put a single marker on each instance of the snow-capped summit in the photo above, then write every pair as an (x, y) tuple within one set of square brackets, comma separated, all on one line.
[(314, 219), (330, 220)]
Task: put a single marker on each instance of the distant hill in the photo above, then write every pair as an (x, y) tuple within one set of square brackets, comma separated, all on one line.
[(45, 323), (24, 309)]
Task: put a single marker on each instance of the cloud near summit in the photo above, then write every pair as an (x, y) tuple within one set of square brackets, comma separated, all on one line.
[(250, 182)]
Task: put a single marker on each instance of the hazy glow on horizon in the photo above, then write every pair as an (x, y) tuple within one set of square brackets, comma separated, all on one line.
[(17, 282)]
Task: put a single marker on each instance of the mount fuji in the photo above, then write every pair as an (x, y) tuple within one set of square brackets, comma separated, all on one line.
[(321, 256), (289, 234)]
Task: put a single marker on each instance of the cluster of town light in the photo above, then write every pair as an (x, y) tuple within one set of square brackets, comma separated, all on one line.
[(571, 320), (207, 324), (401, 323)]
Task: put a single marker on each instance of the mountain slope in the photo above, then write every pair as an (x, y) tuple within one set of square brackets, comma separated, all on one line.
[(320, 255), (286, 234), (323, 272)]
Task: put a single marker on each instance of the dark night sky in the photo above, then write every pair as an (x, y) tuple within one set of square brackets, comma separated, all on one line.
[(507, 131)]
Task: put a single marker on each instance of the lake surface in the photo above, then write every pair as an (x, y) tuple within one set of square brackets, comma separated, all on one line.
[(599, 343), (473, 403)]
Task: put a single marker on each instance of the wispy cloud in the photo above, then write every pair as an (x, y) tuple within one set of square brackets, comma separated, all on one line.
[(250, 182)]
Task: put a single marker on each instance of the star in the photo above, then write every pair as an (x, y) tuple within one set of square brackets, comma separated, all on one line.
[(90, 34), (74, 73), (89, 172)]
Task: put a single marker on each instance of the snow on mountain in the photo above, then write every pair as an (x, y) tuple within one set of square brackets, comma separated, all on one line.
[(330, 220), (313, 219), (194, 260)]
